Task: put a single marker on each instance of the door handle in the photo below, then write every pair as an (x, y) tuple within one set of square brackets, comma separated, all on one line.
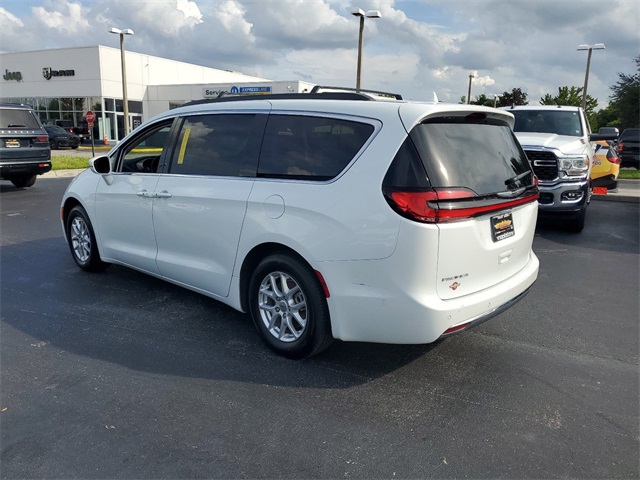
[(144, 193), (163, 194)]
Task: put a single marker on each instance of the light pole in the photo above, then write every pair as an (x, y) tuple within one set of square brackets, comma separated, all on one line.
[(360, 13), (495, 100), (471, 77), (597, 46), (125, 102)]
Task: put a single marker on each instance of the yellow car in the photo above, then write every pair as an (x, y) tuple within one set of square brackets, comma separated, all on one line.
[(606, 165)]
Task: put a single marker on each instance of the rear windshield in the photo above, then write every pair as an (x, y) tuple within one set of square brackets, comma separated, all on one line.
[(560, 122), (18, 119), (484, 157)]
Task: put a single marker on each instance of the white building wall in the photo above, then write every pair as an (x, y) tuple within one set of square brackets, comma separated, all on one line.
[(83, 61)]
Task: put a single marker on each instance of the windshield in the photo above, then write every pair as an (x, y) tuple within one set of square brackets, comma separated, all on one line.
[(19, 119), (560, 122), (55, 129)]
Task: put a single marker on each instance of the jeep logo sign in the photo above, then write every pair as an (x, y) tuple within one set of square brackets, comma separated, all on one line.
[(12, 75), (48, 72)]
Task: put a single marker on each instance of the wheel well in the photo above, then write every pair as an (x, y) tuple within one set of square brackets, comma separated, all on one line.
[(69, 204), (253, 258)]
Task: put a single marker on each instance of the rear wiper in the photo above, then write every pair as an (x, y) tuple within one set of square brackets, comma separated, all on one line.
[(511, 180), (16, 125)]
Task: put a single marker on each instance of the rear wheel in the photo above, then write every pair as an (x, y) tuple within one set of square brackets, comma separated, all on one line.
[(54, 144), (288, 307), (24, 181), (82, 241)]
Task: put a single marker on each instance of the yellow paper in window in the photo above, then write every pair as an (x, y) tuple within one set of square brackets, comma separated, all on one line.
[(183, 147)]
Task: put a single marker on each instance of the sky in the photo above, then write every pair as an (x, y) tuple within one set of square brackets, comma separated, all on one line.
[(417, 46)]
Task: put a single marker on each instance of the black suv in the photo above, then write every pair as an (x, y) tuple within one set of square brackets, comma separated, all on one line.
[(24, 145), (629, 148)]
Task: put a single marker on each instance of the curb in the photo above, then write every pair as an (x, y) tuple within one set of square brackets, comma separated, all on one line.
[(72, 172)]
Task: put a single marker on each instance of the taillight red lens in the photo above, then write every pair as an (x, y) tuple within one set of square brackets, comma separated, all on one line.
[(426, 206), (42, 139), (615, 160), (620, 147)]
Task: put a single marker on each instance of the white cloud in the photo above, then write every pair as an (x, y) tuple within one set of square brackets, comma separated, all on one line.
[(62, 16)]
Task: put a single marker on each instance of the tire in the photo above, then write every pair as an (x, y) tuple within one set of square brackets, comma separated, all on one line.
[(288, 307), (54, 144), (576, 223), (24, 181), (75, 147), (82, 241)]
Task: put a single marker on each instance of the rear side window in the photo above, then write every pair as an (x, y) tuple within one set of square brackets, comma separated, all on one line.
[(311, 148), (482, 155), (221, 145), (18, 119)]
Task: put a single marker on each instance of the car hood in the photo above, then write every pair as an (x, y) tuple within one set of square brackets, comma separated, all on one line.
[(563, 143)]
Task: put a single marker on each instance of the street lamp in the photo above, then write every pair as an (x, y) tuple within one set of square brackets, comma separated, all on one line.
[(125, 102), (471, 77), (597, 46), (360, 13)]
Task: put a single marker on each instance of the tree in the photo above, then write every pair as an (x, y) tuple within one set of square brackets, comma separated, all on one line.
[(516, 97), (572, 96), (625, 99), (482, 99)]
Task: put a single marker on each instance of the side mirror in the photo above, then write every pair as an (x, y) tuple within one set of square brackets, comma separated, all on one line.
[(100, 165), (602, 136)]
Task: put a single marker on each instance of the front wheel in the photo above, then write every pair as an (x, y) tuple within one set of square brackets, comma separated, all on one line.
[(288, 307), (82, 241), (576, 223), (24, 181)]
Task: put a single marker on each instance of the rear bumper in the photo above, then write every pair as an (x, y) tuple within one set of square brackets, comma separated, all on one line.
[(556, 198), (9, 170), (386, 310)]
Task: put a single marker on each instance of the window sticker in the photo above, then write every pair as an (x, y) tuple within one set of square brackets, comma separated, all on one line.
[(183, 147)]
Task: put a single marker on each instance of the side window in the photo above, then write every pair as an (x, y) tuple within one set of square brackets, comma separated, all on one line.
[(218, 144), (311, 148), (143, 155)]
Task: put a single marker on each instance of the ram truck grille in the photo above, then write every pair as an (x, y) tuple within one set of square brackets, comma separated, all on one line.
[(545, 164)]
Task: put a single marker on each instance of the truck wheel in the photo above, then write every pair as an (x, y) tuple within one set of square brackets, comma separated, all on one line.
[(576, 224), (24, 181)]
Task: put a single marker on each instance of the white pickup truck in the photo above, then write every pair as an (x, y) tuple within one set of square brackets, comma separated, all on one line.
[(557, 141)]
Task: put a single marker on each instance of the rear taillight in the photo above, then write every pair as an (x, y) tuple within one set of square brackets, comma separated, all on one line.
[(448, 204), (614, 159), (42, 139), (620, 147)]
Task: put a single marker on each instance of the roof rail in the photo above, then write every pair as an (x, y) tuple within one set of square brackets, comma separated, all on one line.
[(373, 94), (284, 96)]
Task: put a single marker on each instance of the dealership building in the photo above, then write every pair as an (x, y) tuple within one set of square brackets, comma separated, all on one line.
[(63, 84)]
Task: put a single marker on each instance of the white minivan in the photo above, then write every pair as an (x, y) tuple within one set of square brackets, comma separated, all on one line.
[(324, 215)]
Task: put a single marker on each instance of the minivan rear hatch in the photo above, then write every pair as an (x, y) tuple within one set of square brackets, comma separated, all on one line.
[(474, 182)]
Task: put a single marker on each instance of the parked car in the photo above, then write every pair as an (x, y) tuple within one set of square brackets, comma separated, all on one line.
[(629, 147), (329, 215), (24, 145), (606, 165), (59, 137), (81, 130)]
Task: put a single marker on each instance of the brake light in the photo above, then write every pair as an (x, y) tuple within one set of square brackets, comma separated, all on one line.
[(614, 159), (439, 205), (41, 138), (620, 147)]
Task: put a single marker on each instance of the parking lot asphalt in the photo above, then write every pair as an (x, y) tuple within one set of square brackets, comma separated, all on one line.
[(120, 375)]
